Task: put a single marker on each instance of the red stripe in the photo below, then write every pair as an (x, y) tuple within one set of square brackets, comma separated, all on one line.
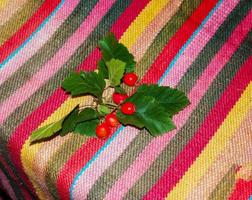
[(22, 132), (242, 191), (14, 177), (53, 102), (92, 145), (6, 166), (183, 161), (28, 28), (179, 39), (176, 42), (39, 115)]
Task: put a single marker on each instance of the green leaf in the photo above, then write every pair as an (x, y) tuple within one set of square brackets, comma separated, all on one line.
[(112, 49), (46, 131), (132, 120), (73, 84), (171, 99), (154, 117), (69, 122), (87, 128), (102, 69), (149, 114), (103, 110), (84, 83), (119, 90), (87, 114), (116, 70)]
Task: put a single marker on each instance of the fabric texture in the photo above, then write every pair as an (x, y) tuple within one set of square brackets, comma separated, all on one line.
[(202, 47)]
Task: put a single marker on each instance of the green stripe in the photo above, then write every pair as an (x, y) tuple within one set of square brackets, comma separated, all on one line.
[(18, 19), (184, 135), (225, 186), (73, 144), (13, 184), (96, 190), (165, 35), (53, 44), (5, 155), (59, 158), (46, 52), (212, 47), (25, 72), (110, 176)]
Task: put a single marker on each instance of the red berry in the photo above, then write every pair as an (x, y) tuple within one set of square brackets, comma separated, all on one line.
[(119, 98), (128, 108), (102, 130), (112, 120), (130, 79)]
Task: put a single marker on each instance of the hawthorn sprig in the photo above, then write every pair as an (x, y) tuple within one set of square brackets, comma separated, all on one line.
[(150, 107), (104, 129)]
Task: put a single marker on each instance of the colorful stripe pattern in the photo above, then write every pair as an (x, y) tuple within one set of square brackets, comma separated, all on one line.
[(202, 47)]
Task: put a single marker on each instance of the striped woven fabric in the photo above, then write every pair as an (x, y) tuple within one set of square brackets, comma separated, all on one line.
[(202, 47)]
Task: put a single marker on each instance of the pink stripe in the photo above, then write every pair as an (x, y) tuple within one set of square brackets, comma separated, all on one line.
[(208, 128), (141, 164), (119, 27), (7, 185), (38, 40), (194, 147), (23, 131), (6, 166), (131, 176), (200, 40), (14, 178), (102, 162), (54, 64)]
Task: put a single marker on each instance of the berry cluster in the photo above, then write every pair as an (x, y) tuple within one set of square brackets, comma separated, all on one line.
[(150, 107), (127, 108)]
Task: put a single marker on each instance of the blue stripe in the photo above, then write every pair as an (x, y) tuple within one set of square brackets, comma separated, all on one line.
[(159, 82), (250, 198), (31, 36), (188, 42)]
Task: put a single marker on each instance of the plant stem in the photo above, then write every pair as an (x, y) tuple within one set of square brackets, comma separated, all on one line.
[(85, 106), (110, 104), (108, 87), (115, 108)]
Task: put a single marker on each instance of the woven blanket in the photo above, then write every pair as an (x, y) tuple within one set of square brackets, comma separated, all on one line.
[(201, 47)]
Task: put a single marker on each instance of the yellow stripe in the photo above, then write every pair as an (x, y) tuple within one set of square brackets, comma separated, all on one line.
[(3, 3), (216, 145), (28, 152), (142, 21)]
